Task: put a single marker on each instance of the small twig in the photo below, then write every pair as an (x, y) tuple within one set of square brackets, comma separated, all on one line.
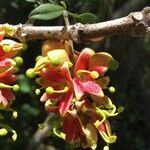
[(66, 19)]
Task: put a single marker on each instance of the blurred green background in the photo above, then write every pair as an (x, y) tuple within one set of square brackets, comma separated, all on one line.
[(131, 80)]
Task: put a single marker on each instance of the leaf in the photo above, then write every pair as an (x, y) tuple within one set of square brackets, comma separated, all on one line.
[(31, 1), (24, 83), (86, 18), (51, 1), (46, 12)]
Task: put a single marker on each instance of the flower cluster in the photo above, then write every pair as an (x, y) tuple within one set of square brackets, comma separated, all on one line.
[(8, 65), (75, 92)]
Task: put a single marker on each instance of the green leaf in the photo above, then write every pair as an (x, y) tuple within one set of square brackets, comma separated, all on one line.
[(51, 1), (24, 83), (46, 12), (31, 1), (86, 18)]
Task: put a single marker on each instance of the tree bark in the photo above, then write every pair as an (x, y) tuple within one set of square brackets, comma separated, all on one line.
[(135, 24)]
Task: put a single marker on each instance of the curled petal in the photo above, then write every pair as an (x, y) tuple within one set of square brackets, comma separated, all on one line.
[(103, 59), (83, 59)]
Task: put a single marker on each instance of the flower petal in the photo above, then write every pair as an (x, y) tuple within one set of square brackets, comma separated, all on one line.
[(6, 97), (103, 82), (100, 100), (58, 56), (100, 69), (83, 59), (5, 64), (103, 59), (70, 129), (65, 71), (65, 102), (92, 88), (8, 78), (77, 88), (91, 135)]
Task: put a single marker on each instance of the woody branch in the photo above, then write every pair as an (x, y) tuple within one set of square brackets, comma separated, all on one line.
[(135, 24)]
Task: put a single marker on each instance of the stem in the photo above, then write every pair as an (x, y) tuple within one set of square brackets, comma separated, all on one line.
[(65, 15)]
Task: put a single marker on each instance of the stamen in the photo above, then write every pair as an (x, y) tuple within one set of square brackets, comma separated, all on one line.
[(93, 74), (50, 90), (31, 73), (14, 87)]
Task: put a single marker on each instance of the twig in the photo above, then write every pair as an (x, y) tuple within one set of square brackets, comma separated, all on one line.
[(135, 24)]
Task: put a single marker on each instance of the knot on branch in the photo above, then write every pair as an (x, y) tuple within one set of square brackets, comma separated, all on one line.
[(76, 32), (19, 34), (142, 22)]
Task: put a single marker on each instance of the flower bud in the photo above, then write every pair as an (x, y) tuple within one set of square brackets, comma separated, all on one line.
[(30, 73), (15, 87), (18, 60), (3, 132), (15, 114), (112, 89), (49, 90)]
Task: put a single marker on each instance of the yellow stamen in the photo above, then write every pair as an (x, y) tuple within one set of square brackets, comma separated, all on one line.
[(50, 90), (93, 74), (14, 87)]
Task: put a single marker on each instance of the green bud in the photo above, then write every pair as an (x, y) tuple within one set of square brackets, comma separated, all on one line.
[(120, 109), (25, 46), (15, 87), (3, 132), (30, 73), (55, 61), (9, 29), (15, 114), (49, 90), (37, 91), (106, 148), (112, 89), (94, 74), (38, 57), (113, 64), (14, 137), (6, 48), (18, 60)]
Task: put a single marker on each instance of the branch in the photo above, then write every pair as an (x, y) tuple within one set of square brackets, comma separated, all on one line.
[(135, 24)]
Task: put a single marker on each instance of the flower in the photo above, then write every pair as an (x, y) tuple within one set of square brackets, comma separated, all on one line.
[(53, 70), (8, 65), (75, 92)]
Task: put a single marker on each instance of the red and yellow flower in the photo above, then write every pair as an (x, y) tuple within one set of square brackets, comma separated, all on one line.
[(76, 92)]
